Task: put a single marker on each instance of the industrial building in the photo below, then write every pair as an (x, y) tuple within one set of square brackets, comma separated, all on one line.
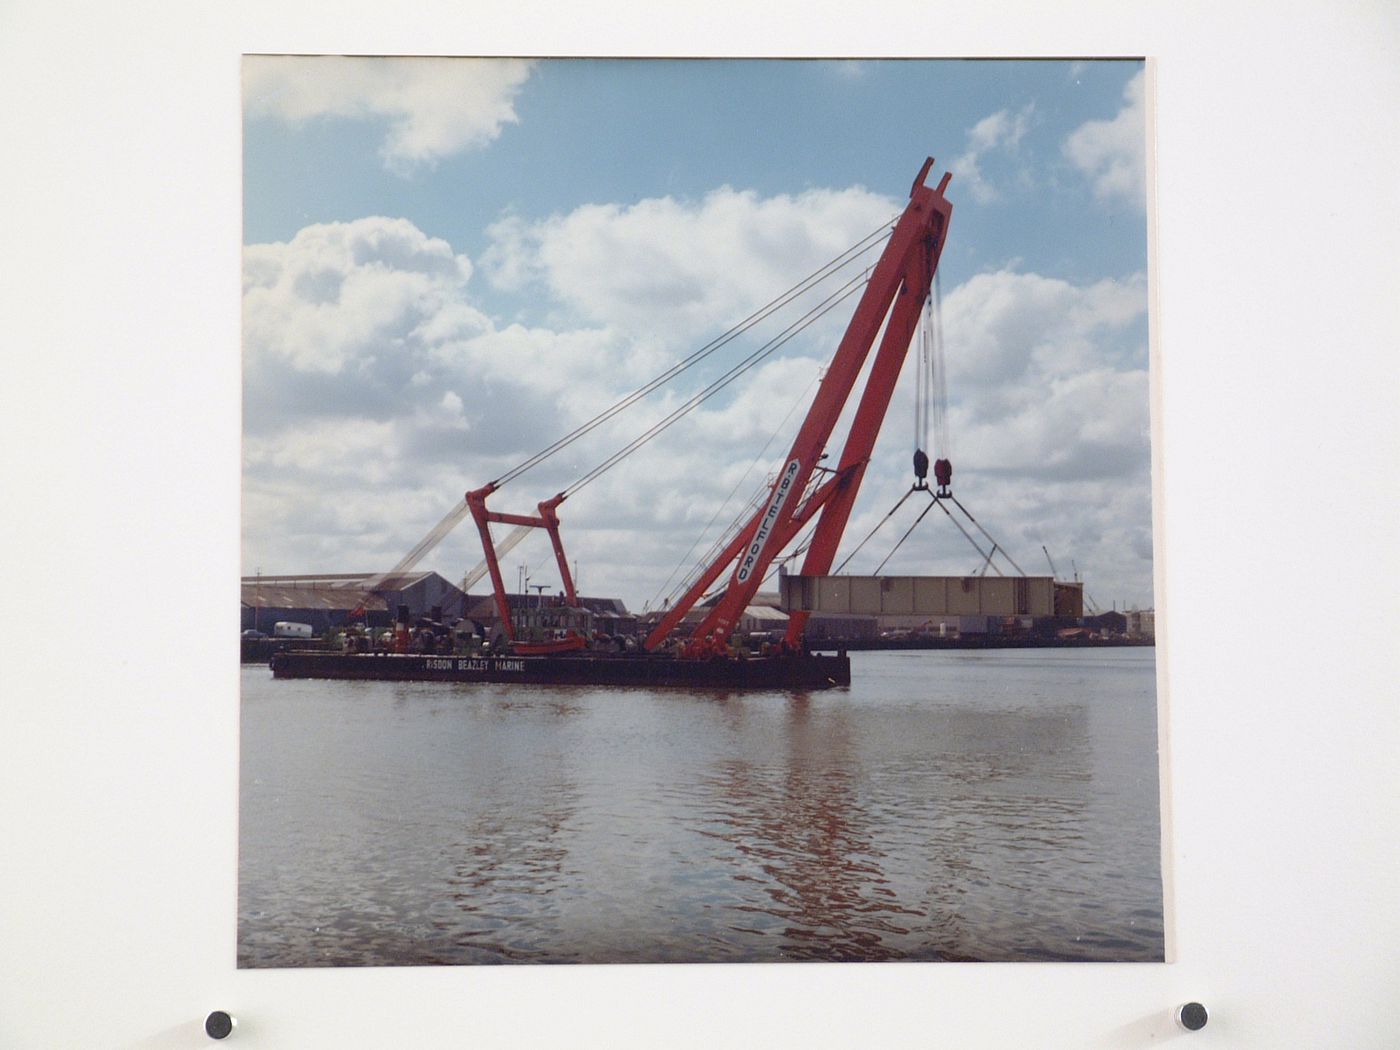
[(932, 595), (328, 600), (958, 605), (610, 615), (1141, 623)]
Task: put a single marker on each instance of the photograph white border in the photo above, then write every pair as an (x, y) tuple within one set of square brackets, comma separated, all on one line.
[(1274, 437)]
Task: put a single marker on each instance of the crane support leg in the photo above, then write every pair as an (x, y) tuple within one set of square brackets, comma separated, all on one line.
[(547, 519), (896, 291)]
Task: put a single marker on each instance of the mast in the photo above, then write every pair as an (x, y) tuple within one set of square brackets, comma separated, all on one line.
[(895, 295)]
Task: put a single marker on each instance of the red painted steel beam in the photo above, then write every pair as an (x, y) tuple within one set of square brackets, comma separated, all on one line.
[(476, 502), (908, 262), (870, 414), (548, 519), (697, 590)]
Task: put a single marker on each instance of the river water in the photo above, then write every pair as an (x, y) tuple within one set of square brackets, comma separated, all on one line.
[(993, 805)]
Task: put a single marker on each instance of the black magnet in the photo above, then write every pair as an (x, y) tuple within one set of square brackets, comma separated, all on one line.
[(219, 1025), (1192, 1016)]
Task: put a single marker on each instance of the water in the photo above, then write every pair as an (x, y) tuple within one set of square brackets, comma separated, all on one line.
[(997, 805)]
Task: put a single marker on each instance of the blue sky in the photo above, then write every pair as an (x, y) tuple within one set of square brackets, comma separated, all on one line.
[(593, 131), (451, 262)]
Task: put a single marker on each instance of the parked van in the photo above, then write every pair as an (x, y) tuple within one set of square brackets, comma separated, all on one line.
[(284, 629)]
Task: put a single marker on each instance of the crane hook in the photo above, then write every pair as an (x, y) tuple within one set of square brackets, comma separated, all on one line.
[(943, 474), (920, 469)]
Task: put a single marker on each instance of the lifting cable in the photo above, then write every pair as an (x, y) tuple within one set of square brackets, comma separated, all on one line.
[(685, 558), (923, 379), (432, 539), (938, 372), (754, 359), (930, 385), (801, 288), (872, 532), (907, 531), (995, 545), (460, 511)]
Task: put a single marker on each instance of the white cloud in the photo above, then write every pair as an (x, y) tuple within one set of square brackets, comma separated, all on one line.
[(378, 389), (998, 135), (1048, 419), (1006, 326), (341, 295), (669, 269), (434, 107), (1112, 153)]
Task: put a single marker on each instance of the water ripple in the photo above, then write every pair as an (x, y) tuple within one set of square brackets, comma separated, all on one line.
[(948, 806)]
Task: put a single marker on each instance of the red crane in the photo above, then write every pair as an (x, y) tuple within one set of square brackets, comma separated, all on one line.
[(895, 294), (548, 519)]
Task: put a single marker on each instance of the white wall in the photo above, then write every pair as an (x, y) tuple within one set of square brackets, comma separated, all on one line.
[(1277, 383)]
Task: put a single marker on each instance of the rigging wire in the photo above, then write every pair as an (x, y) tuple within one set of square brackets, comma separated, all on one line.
[(754, 359), (938, 372), (512, 540), (802, 287), (922, 383), (460, 511), (685, 558), (432, 539), (879, 525), (986, 555), (907, 532), (995, 545), (746, 512)]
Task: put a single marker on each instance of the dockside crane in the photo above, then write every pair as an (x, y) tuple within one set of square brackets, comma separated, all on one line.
[(806, 491), (895, 295)]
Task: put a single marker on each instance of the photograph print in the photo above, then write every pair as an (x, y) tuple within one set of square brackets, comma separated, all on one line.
[(696, 511)]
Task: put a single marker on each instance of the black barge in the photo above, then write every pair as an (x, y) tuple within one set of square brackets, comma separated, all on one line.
[(798, 671)]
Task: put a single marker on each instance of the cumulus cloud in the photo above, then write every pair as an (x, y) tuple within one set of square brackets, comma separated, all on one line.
[(433, 107), (1049, 426), (671, 268), (996, 136), (1112, 153), (369, 363), (1010, 326), (377, 388), (340, 295)]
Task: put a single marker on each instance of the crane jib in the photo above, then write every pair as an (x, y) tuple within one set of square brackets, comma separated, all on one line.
[(765, 527)]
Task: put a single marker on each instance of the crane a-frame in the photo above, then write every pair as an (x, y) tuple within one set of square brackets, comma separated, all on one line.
[(895, 294), (897, 290)]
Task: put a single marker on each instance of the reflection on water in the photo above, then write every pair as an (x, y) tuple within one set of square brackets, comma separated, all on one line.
[(993, 806)]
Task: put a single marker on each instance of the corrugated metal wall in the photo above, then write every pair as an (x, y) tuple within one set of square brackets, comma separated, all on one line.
[(920, 595)]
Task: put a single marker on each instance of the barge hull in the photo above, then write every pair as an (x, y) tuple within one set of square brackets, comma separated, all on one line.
[(801, 671)]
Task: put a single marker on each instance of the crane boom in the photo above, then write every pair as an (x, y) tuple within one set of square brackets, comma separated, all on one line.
[(895, 295)]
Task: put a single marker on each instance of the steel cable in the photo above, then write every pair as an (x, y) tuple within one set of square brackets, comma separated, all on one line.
[(714, 388), (801, 288)]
